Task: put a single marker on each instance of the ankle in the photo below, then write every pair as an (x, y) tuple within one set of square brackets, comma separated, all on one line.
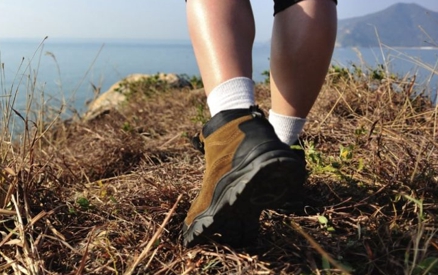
[(235, 93), (287, 128)]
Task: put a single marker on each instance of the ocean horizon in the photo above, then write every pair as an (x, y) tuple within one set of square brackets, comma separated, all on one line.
[(68, 68)]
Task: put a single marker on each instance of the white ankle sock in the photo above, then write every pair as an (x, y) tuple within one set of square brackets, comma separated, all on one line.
[(235, 93), (287, 128)]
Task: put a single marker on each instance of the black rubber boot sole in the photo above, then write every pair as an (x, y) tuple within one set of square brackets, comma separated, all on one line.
[(240, 197)]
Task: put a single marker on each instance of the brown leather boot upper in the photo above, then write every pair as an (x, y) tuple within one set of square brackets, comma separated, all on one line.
[(220, 148), (247, 169)]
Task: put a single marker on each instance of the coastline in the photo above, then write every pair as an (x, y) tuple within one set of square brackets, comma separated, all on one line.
[(70, 66)]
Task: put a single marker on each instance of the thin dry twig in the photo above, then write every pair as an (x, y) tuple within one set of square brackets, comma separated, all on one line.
[(151, 242)]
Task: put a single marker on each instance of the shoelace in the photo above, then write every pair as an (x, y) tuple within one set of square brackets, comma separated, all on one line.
[(256, 112)]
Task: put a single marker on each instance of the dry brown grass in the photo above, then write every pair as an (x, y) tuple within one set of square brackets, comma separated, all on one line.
[(103, 197)]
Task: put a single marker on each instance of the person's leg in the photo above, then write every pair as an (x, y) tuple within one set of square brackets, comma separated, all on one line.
[(303, 39), (222, 34), (248, 168)]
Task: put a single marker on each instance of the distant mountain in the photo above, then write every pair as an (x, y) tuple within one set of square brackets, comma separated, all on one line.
[(400, 25)]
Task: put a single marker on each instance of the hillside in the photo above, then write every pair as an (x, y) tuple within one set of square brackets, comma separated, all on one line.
[(108, 195), (401, 25)]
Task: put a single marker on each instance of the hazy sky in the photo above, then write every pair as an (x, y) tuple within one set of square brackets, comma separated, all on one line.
[(143, 19)]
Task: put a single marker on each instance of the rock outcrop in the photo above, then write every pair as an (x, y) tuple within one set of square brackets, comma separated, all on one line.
[(117, 93)]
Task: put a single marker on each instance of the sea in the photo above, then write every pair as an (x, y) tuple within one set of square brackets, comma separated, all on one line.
[(57, 71)]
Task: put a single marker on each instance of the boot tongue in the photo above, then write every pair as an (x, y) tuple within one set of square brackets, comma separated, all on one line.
[(222, 118)]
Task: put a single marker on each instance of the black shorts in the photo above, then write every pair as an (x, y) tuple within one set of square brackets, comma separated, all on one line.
[(280, 5)]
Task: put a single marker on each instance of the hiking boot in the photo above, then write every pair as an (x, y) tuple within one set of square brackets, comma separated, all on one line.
[(248, 169)]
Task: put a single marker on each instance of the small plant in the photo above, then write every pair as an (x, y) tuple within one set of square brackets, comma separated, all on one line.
[(415, 260), (147, 86), (267, 75), (83, 202), (127, 127), (379, 73), (194, 80), (342, 166), (339, 73), (325, 224), (200, 114)]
